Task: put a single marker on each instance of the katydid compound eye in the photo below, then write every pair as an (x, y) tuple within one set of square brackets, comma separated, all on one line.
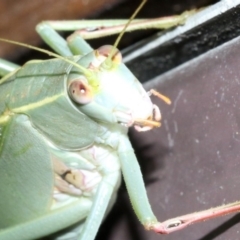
[(104, 51), (80, 91)]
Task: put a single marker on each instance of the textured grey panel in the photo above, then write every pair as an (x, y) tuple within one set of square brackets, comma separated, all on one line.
[(192, 162), (203, 31)]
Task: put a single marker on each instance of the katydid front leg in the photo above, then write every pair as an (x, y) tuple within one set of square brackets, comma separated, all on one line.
[(134, 182), (137, 193), (182, 222)]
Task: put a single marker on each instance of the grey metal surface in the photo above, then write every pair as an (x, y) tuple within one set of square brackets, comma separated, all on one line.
[(203, 31), (192, 162)]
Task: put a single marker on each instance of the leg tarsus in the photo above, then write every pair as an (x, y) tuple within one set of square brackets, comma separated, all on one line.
[(182, 222)]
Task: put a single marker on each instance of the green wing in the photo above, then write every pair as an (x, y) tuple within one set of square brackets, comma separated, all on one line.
[(26, 186), (39, 110), (39, 90), (26, 177)]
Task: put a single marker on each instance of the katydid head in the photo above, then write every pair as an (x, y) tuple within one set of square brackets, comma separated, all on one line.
[(118, 90), (100, 77)]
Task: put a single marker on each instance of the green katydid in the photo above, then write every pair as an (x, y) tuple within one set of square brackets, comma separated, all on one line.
[(62, 136), (64, 141)]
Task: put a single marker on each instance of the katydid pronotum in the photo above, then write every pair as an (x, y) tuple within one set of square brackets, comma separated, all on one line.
[(64, 141)]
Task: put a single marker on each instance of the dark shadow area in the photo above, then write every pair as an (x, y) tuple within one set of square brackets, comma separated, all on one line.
[(222, 228)]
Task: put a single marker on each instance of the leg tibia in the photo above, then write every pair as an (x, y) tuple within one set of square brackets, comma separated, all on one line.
[(135, 185)]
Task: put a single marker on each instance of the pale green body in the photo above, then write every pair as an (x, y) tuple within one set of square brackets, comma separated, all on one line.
[(39, 123), (43, 131)]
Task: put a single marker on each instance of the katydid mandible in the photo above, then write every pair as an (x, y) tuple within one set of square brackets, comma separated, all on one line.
[(64, 141)]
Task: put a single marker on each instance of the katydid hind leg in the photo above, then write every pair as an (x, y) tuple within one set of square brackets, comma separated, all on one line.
[(76, 45), (89, 29)]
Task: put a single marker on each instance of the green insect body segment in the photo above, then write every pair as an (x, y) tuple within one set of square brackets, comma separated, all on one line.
[(64, 143), (41, 96), (35, 100)]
